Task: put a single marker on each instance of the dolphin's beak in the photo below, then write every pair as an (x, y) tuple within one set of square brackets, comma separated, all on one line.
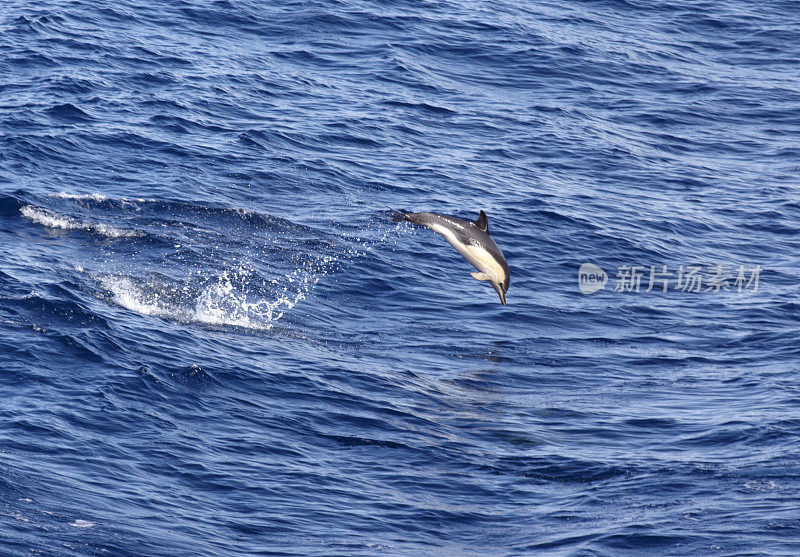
[(499, 289)]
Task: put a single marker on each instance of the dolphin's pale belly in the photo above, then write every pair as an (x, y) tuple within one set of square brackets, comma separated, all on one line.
[(484, 261), (478, 256)]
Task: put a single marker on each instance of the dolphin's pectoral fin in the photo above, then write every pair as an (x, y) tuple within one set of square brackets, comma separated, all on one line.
[(480, 276)]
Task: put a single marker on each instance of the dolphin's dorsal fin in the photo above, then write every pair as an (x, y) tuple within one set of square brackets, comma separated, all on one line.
[(481, 222)]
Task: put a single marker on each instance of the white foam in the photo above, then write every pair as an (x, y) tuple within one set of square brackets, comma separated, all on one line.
[(52, 219), (80, 523), (129, 295), (82, 197), (99, 197), (222, 302)]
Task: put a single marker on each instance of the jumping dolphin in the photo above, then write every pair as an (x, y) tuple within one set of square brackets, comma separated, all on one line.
[(472, 241)]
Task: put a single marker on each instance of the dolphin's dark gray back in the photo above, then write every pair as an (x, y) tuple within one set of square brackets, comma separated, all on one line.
[(462, 228)]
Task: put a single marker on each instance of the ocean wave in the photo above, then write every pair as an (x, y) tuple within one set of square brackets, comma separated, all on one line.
[(52, 219)]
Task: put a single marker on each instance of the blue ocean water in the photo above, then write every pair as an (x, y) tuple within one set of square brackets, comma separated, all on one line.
[(215, 341)]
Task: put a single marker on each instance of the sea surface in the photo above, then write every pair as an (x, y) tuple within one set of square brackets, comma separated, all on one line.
[(215, 341)]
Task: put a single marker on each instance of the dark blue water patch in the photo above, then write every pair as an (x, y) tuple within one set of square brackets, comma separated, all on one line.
[(421, 106), (32, 153), (73, 85), (10, 205), (67, 113), (162, 58), (152, 79), (56, 311)]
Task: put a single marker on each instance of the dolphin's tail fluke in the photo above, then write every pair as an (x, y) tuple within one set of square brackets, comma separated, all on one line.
[(397, 216)]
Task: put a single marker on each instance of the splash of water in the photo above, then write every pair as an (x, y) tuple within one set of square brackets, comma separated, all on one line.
[(232, 298)]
